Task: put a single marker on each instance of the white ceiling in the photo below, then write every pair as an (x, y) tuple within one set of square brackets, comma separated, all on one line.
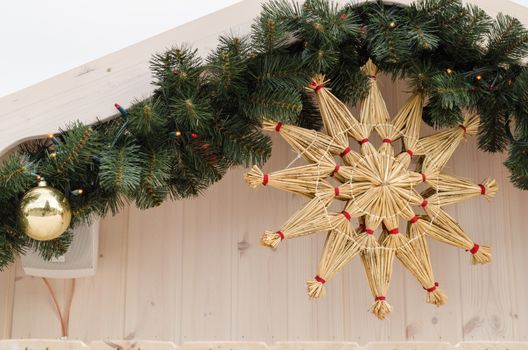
[(44, 38)]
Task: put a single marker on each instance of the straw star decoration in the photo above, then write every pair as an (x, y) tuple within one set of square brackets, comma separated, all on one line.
[(378, 188)]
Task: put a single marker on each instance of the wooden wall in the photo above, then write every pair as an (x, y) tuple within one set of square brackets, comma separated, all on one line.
[(194, 270)]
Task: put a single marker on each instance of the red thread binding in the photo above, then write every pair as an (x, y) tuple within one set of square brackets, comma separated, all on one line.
[(379, 297), (362, 141), (414, 219), (482, 189), (320, 279), (278, 126), (336, 191), (394, 231), (346, 214), (409, 152), (369, 231), (424, 178), (281, 235), (433, 288), (475, 249), (345, 152), (387, 140), (336, 170), (265, 179), (316, 86), (424, 203), (463, 128)]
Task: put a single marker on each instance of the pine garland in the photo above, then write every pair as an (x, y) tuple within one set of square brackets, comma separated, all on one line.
[(204, 115)]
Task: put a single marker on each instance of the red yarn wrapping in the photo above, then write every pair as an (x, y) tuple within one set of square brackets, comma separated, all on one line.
[(345, 152), (387, 140), (424, 203), (336, 191), (278, 126), (346, 214), (394, 231), (316, 86), (482, 189), (433, 288), (409, 152), (414, 219), (320, 279), (281, 235), (379, 297), (369, 231), (265, 179), (424, 178), (362, 141), (475, 249), (336, 170)]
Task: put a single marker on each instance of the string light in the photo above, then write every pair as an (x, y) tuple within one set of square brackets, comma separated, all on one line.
[(53, 154), (392, 24), (77, 192), (449, 70), (479, 77), (177, 133), (53, 139), (121, 110)]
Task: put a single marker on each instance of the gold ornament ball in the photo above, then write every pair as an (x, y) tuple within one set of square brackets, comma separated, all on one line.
[(44, 213)]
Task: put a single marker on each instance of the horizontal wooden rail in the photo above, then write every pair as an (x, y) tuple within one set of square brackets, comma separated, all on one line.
[(38, 344)]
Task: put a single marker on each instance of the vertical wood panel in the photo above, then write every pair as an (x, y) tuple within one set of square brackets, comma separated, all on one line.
[(34, 315), (98, 310), (260, 275), (154, 269), (488, 299), (7, 293), (208, 245)]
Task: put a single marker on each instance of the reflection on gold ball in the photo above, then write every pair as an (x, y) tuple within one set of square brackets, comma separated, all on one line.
[(44, 213)]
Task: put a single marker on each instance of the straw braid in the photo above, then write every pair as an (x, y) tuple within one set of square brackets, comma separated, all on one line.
[(445, 229), (313, 217), (339, 248), (438, 148)]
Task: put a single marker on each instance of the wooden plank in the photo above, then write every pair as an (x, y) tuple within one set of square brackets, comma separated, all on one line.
[(154, 271), (259, 274), (98, 310), (208, 245), (224, 346), (42, 344), (314, 346), (34, 315), (408, 346), (132, 345), (7, 294), (488, 301), (516, 216), (503, 345)]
